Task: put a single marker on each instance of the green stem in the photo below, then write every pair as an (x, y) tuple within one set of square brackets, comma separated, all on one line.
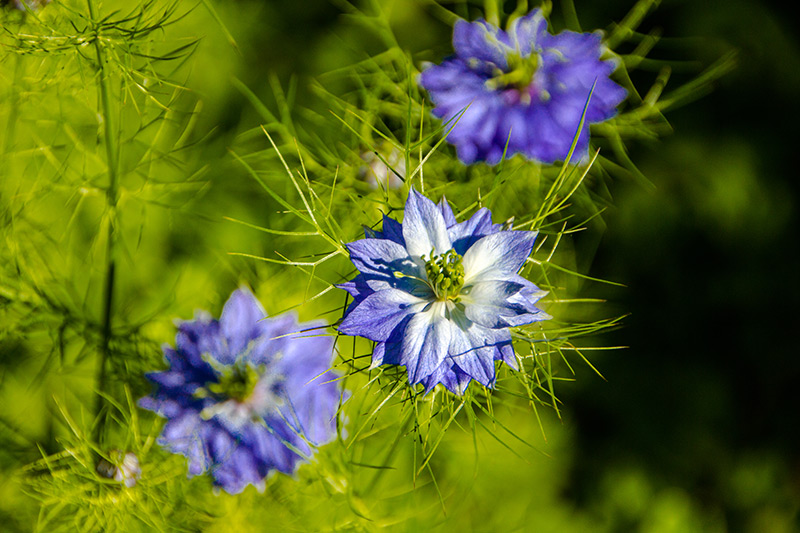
[(13, 112), (406, 424), (491, 10), (111, 203), (11, 125)]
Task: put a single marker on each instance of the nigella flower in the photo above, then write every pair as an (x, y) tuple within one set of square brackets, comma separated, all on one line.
[(439, 296), (243, 396), (123, 468), (524, 82), (379, 174)]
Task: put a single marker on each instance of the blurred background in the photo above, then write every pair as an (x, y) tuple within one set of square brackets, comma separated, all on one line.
[(695, 426)]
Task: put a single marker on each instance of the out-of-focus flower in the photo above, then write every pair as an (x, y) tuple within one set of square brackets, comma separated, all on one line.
[(378, 174), (245, 395), (122, 467), (439, 296), (21, 4), (524, 87)]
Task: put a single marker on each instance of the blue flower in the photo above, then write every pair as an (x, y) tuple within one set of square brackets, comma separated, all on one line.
[(439, 296), (242, 396), (525, 82)]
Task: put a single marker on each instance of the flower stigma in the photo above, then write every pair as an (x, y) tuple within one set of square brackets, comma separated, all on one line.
[(237, 382), (519, 75), (243, 393), (445, 274)]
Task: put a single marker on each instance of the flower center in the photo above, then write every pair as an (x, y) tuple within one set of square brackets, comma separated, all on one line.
[(237, 381), (445, 274), (243, 392), (518, 75)]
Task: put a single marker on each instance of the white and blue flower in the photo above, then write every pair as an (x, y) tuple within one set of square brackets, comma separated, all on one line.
[(244, 395), (439, 297), (524, 87)]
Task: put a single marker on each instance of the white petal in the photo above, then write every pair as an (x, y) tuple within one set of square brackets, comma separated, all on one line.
[(424, 228)]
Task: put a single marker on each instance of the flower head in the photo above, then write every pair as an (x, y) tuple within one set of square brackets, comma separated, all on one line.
[(524, 86), (439, 296), (244, 397), (121, 467), (378, 174)]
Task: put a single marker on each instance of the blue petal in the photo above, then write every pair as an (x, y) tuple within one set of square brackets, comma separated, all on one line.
[(315, 406), (498, 255), (450, 376), (378, 355), (505, 353), (447, 213), (378, 314), (393, 230), (467, 233), (526, 32), (182, 435), (279, 335), (198, 337), (469, 353), (426, 343), (381, 257), (451, 80), (480, 40), (239, 322), (499, 304), (424, 229)]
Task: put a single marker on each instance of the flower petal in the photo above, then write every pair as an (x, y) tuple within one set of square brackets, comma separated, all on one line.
[(472, 355), (467, 233), (499, 304), (527, 31), (378, 314), (499, 254), (447, 212), (381, 257), (479, 40), (424, 229), (426, 342), (239, 322)]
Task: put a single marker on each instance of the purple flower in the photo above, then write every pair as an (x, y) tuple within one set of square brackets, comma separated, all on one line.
[(439, 296), (525, 82), (243, 396)]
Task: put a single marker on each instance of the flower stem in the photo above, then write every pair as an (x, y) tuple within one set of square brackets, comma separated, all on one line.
[(111, 203), (8, 140), (404, 427), (491, 11)]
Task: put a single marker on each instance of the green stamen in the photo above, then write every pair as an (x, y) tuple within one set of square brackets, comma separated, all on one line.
[(519, 74), (445, 274)]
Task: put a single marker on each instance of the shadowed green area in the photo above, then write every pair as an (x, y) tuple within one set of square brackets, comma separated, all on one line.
[(694, 429)]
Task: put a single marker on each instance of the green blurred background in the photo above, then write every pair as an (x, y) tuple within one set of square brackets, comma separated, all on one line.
[(696, 427)]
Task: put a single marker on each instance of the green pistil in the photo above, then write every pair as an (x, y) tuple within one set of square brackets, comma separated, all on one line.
[(445, 274), (519, 74), (236, 382)]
